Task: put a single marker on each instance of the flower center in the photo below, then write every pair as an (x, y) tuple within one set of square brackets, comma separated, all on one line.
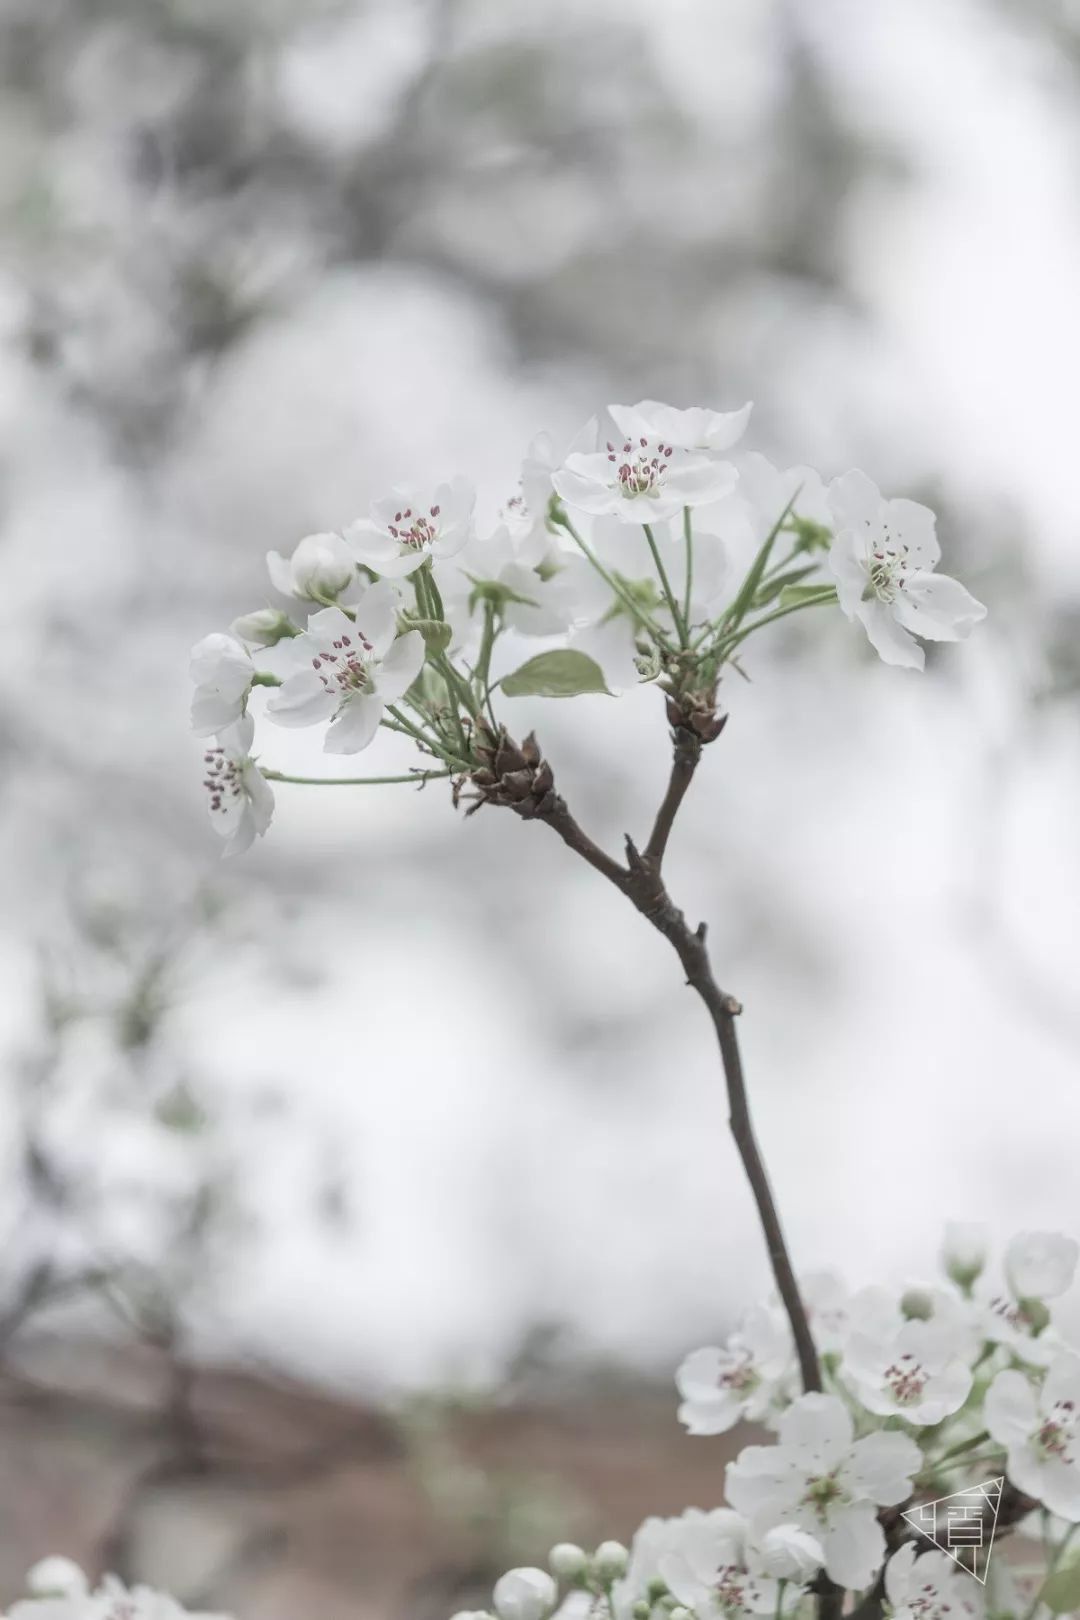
[(1058, 1432), (886, 566), (739, 1375), (345, 666), (822, 1490), (906, 1378), (415, 531), (734, 1590), (224, 780), (640, 468)]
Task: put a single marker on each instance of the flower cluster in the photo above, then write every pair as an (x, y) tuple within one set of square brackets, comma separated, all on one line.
[(641, 554), (929, 1389), (60, 1591)]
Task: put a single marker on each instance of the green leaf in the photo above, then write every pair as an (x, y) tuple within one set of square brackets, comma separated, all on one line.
[(749, 588), (772, 588), (794, 595), (557, 674), (1061, 1593)]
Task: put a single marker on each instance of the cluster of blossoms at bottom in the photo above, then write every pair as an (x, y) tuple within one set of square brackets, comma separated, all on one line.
[(648, 551), (930, 1389)]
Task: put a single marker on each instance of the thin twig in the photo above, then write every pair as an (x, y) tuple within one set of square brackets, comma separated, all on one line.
[(641, 881)]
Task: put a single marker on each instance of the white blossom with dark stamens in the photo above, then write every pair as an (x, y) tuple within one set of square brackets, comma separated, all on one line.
[(697, 428), (923, 1585), (641, 476), (241, 800), (347, 671), (882, 560), (407, 529), (1038, 1423)]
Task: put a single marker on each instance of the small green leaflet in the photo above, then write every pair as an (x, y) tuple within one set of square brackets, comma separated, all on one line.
[(557, 674), (1061, 1593)]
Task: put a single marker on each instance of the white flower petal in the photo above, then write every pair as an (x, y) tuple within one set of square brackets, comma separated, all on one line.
[(1010, 1408), (355, 724), (888, 638), (401, 666), (937, 608), (817, 1429), (854, 1546)]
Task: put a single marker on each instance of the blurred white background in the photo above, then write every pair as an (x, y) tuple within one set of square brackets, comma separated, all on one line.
[(397, 1091)]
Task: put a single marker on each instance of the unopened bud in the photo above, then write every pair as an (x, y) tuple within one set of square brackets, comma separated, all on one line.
[(917, 1304), (56, 1578), (525, 1594), (963, 1252), (567, 1561), (263, 628), (610, 1560), (679, 1613)]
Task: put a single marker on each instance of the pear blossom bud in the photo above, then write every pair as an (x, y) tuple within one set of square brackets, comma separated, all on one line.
[(610, 1560), (567, 1561), (525, 1594), (641, 1610), (263, 628), (56, 1577), (791, 1554), (1040, 1265), (917, 1304), (319, 570), (963, 1252), (679, 1613)]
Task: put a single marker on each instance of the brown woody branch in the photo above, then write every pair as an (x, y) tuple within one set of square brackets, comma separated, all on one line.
[(529, 790)]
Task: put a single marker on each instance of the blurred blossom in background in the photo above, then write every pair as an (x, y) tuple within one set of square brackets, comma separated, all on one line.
[(316, 1166)]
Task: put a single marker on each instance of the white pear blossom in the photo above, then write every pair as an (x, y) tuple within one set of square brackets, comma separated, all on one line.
[(321, 569), (1039, 1426), (819, 1477), (743, 1379), (714, 1568), (406, 529), (882, 559), (654, 1539), (641, 479), (223, 673), (526, 513), (241, 800), (543, 590), (109, 1601), (524, 1594), (696, 428), (827, 1302), (917, 1372), (930, 1586), (766, 492), (346, 671), (1040, 1265)]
